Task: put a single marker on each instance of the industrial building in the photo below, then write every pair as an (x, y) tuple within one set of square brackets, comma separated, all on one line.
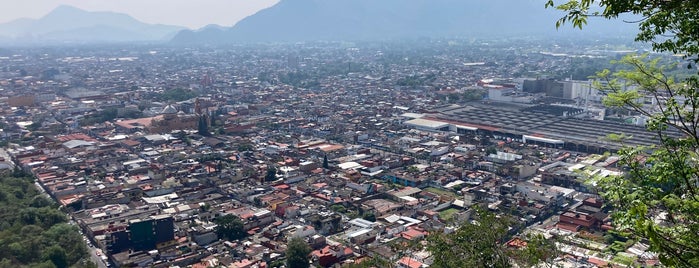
[(546, 127)]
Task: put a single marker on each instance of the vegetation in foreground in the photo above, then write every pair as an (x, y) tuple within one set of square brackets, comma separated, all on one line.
[(657, 200), (33, 231)]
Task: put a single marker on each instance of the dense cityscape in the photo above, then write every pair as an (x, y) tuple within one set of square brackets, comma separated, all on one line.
[(209, 157), (349, 133)]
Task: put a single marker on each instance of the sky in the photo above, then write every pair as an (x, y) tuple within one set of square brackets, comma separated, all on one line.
[(192, 14)]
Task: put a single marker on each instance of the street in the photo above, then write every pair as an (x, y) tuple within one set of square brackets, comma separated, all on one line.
[(93, 255)]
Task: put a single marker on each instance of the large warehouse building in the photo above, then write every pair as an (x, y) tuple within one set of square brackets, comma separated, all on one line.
[(548, 129)]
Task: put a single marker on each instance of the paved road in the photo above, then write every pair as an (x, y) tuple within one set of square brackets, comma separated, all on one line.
[(94, 258), (92, 251)]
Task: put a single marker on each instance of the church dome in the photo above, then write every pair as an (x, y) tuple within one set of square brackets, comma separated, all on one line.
[(169, 109)]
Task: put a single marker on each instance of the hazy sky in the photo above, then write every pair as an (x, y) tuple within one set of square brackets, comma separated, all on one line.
[(189, 13)]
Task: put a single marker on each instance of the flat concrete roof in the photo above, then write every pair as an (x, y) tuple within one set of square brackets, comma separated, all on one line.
[(426, 123)]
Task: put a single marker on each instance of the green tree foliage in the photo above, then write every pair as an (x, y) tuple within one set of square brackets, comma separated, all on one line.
[(415, 80), (271, 174), (369, 216), (182, 135), (69, 239), (177, 94), (325, 162), (338, 208), (584, 68), (491, 150), (83, 264), (477, 244), (230, 227), (539, 252), (473, 95), (481, 243), (657, 199), (34, 126), (369, 263), (244, 147), (33, 232), (108, 114), (297, 253), (57, 256), (669, 25)]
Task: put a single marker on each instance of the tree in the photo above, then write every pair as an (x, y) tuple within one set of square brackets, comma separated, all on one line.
[(539, 250), (46, 264), (33, 233), (69, 239), (182, 135), (325, 162), (669, 25), (374, 262), (230, 227), (481, 243), (203, 126), (297, 251), (57, 256), (657, 199), (338, 208), (369, 216), (271, 174), (491, 150), (176, 95), (40, 201), (244, 147), (477, 244)]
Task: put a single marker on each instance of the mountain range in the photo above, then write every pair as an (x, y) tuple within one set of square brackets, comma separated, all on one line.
[(309, 20), (67, 24), (314, 20)]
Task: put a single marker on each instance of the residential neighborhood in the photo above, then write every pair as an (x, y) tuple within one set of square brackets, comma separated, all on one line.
[(213, 157)]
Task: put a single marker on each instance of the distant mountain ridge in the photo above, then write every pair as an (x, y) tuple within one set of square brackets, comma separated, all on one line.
[(70, 24), (309, 20)]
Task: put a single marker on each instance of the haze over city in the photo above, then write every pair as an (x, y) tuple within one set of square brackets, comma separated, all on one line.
[(187, 13), (348, 133)]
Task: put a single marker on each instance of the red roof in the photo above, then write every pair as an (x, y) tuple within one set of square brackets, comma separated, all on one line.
[(516, 243), (410, 262), (281, 187), (568, 226), (597, 262), (412, 233), (75, 136)]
